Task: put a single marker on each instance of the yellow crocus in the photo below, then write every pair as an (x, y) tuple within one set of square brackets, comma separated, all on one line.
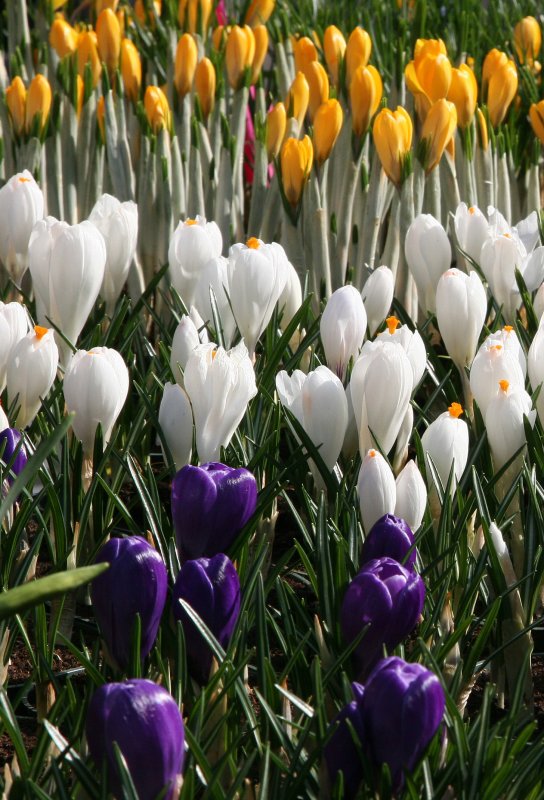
[(392, 132), (260, 33), (296, 163), (276, 123), (501, 90), (205, 81), (305, 52), (298, 98), (185, 64), (239, 53), (527, 40), (100, 5), (157, 109), (463, 92), (145, 9), (428, 75), (334, 47), (259, 12), (365, 93), (493, 61), (358, 52), (327, 124), (108, 36), (318, 85), (87, 52), (190, 12), (131, 69), (437, 132), (62, 37), (16, 103), (38, 101), (536, 115)]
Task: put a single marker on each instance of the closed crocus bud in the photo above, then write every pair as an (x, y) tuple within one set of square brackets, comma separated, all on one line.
[(276, 123), (386, 597), (535, 366), (318, 87), (186, 338), (377, 296), (87, 53), (365, 94), (298, 98), (376, 489), (390, 537), (12, 451), (260, 33), (31, 371), (193, 15), (296, 164), (536, 115), (305, 52), (471, 230), (392, 132), (144, 721), (259, 12), (210, 506), (67, 265), (21, 206), (491, 363), (428, 253), (342, 328), (502, 89), (131, 69), (157, 109), (493, 61), (461, 307), (193, 244), (16, 103), (212, 588), (176, 423), (38, 102), (500, 256), (463, 92), (205, 82), (327, 124), (505, 422), (118, 224), (62, 37), (135, 583), (428, 76), (334, 47), (95, 389), (412, 344), (108, 35), (239, 53), (13, 326), (527, 40), (220, 385), (445, 442), (185, 64), (507, 337), (437, 131), (411, 495), (358, 51)]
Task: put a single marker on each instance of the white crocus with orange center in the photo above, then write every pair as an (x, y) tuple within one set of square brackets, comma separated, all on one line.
[(21, 206), (31, 371), (376, 489), (504, 421), (491, 363), (428, 253), (412, 344), (193, 244), (445, 443), (471, 230), (343, 328), (507, 337)]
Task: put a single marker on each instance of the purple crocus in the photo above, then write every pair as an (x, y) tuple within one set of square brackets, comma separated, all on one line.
[(210, 506), (389, 599), (12, 437), (393, 718), (135, 583), (390, 536), (145, 722), (212, 588)]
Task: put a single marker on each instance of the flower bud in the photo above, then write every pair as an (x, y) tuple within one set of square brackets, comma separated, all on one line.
[(377, 294), (411, 495), (185, 64), (390, 537), (428, 253), (176, 423), (504, 422), (392, 134), (21, 206), (108, 34), (463, 92), (87, 53), (471, 230), (118, 224), (358, 51), (205, 82), (327, 124), (194, 15), (527, 40), (334, 47), (386, 597), (185, 340), (412, 344), (428, 76), (193, 243), (461, 308), (145, 723), (298, 98), (12, 451), (342, 328), (259, 12), (131, 69), (260, 33), (536, 115), (16, 103), (365, 94), (210, 506), (38, 102), (212, 588), (276, 123), (503, 85), (62, 37), (492, 363), (376, 489), (296, 164), (157, 109), (135, 583), (304, 52), (437, 131), (31, 371), (445, 442), (239, 53), (318, 86), (14, 325)]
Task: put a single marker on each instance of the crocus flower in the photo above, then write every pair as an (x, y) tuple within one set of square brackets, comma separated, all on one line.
[(145, 722), (14, 324), (493, 362), (389, 599), (446, 442), (428, 253), (14, 450), (505, 422), (212, 588), (192, 245), (31, 371), (377, 296), (135, 583), (376, 489), (392, 537), (21, 206), (343, 328), (210, 506), (176, 422), (411, 495), (461, 307)]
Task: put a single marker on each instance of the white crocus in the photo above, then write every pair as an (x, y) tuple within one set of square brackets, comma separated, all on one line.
[(220, 385), (31, 371), (377, 297), (411, 495), (343, 328), (412, 344), (461, 307), (428, 254), (14, 324), (500, 257), (193, 244), (214, 278), (381, 385), (257, 276), (176, 422), (535, 368), (95, 389), (318, 401), (186, 337), (504, 422), (493, 362), (67, 267), (4, 422), (471, 230), (376, 489), (508, 338), (21, 206), (445, 443), (118, 224)]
